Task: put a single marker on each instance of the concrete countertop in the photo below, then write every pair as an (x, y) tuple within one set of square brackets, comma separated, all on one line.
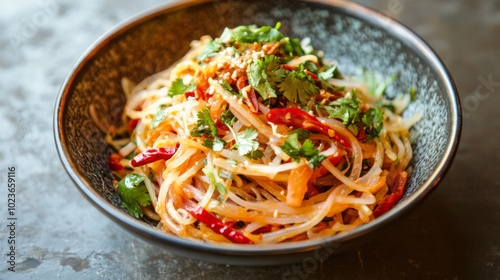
[(454, 234)]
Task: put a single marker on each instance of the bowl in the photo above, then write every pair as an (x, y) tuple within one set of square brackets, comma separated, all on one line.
[(355, 36)]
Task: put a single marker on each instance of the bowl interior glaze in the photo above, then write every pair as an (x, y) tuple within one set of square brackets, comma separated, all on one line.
[(351, 35)]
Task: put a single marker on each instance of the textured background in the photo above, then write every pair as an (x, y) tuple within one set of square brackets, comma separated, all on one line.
[(451, 235)]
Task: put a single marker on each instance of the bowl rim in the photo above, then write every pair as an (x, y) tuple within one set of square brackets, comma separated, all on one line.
[(363, 13)]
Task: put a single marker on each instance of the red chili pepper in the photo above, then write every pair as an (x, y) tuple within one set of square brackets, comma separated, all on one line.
[(114, 162), (397, 189), (322, 171), (312, 75), (217, 225), (300, 119), (287, 67), (189, 94), (152, 155), (132, 124), (220, 125), (264, 229)]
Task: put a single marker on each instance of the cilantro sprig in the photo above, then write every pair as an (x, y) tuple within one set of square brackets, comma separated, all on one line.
[(294, 149), (253, 34), (265, 74), (246, 142), (347, 109), (134, 194), (209, 50), (178, 87), (270, 79), (298, 86), (205, 126)]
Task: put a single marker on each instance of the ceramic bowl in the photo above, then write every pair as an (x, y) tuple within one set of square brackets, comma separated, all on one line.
[(354, 36)]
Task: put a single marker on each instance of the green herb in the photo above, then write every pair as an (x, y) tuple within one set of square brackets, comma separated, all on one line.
[(292, 47), (209, 50), (373, 119), (302, 134), (206, 127), (255, 155), (228, 118), (307, 150), (214, 181), (328, 73), (134, 194), (131, 155), (178, 87), (245, 140), (246, 143), (216, 144), (264, 74), (346, 109), (252, 33), (225, 85), (298, 86), (159, 117)]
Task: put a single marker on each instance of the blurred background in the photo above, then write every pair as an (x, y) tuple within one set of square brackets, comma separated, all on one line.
[(454, 234)]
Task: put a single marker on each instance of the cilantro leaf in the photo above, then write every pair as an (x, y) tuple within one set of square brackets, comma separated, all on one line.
[(307, 150), (209, 50), (251, 34), (255, 155), (245, 141), (302, 134), (134, 194), (216, 144), (225, 85), (178, 87), (292, 47), (160, 115), (227, 118), (373, 119), (329, 73), (206, 127), (298, 86), (264, 74), (346, 109)]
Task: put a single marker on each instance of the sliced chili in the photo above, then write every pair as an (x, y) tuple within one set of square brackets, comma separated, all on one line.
[(152, 155), (297, 118), (264, 229), (114, 162), (132, 124), (217, 225), (397, 189)]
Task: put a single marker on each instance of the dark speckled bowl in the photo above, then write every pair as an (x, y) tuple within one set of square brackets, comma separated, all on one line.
[(354, 36)]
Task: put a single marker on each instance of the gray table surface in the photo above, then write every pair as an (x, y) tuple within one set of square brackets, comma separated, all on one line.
[(454, 234)]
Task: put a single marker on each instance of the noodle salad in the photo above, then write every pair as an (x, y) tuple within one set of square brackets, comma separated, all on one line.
[(252, 138)]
